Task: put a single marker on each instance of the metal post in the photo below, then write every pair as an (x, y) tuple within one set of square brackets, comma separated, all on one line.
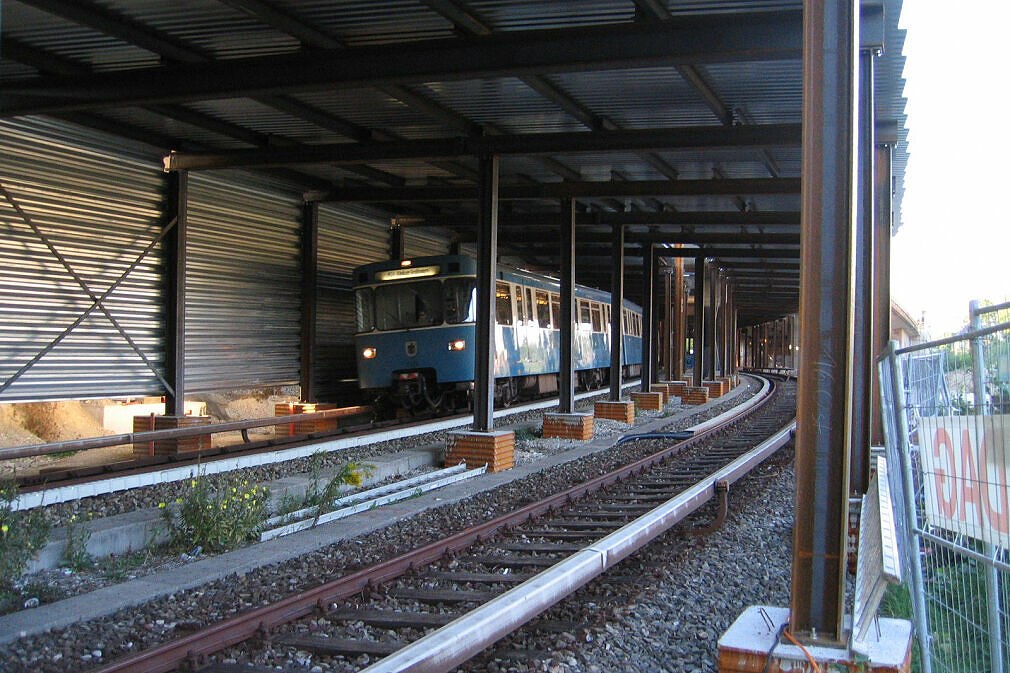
[(566, 375), (992, 581), (396, 243), (487, 259), (680, 320), (666, 340), (862, 316), (711, 301), (616, 299), (699, 319), (881, 277), (310, 297), (648, 278), (176, 243), (918, 589), (823, 414)]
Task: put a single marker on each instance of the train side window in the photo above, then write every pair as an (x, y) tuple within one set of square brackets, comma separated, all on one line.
[(606, 316), (517, 290), (556, 310), (638, 324), (503, 303), (597, 317), (584, 319), (531, 309), (624, 320), (364, 309), (543, 310)]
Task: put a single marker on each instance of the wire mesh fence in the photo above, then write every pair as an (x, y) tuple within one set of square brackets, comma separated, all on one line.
[(947, 424)]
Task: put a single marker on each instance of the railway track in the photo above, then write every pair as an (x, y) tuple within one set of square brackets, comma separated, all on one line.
[(436, 606)]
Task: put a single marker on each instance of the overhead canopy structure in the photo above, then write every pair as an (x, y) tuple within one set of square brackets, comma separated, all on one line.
[(678, 121)]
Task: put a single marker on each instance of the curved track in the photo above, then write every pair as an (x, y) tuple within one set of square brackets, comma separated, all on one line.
[(471, 588)]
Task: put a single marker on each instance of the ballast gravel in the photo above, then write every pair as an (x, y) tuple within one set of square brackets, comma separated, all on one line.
[(88, 645)]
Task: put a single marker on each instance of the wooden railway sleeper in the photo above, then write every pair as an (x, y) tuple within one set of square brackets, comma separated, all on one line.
[(722, 490)]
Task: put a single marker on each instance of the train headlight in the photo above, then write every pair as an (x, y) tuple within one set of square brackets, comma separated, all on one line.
[(368, 353), (457, 345)]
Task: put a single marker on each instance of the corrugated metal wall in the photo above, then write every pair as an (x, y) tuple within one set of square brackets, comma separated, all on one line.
[(243, 286), (99, 211), (423, 242), (348, 237)]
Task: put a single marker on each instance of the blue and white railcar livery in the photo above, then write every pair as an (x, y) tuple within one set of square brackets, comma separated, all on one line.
[(415, 333)]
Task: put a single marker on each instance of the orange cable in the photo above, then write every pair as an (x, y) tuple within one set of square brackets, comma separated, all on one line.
[(805, 651)]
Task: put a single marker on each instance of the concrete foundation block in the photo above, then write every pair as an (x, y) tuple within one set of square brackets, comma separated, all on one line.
[(496, 449), (568, 426), (615, 411)]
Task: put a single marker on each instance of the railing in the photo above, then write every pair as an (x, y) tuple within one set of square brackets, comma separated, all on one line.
[(946, 416)]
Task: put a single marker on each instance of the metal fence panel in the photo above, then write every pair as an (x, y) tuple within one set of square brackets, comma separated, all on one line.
[(99, 212), (948, 422)]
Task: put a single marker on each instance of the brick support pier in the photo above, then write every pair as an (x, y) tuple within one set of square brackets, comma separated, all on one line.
[(615, 411), (169, 447), (650, 401), (496, 449), (568, 426)]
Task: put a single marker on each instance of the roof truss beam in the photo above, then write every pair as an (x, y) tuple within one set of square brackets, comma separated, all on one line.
[(688, 41)]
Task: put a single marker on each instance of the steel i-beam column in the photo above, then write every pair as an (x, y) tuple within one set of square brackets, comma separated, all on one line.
[(699, 319), (711, 306), (648, 280), (176, 243), (566, 376), (823, 413), (862, 314), (487, 260), (666, 340), (881, 278), (310, 297), (680, 319), (396, 245), (616, 299)]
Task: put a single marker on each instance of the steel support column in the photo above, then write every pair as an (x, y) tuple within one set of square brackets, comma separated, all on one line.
[(487, 260), (616, 300), (711, 308), (679, 336), (881, 278), (862, 312), (666, 335), (566, 376), (176, 244), (396, 246), (310, 298), (648, 324), (699, 319), (823, 414)]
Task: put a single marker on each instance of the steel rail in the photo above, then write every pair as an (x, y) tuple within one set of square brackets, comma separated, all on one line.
[(447, 647), (194, 648)]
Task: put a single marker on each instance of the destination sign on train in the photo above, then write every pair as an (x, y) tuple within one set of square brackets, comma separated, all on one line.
[(410, 272)]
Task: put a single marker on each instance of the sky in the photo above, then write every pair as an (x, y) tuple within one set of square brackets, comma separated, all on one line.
[(954, 242)]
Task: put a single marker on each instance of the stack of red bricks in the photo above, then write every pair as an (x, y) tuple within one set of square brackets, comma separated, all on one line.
[(661, 388), (677, 387), (169, 447), (568, 426), (615, 411), (695, 395), (650, 401), (496, 449), (305, 427), (727, 381), (715, 388)]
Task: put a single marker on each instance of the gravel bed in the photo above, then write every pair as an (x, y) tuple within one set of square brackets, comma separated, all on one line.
[(89, 644)]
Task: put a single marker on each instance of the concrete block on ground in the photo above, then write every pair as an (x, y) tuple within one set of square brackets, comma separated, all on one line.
[(751, 645), (623, 411), (695, 395), (661, 388), (568, 426)]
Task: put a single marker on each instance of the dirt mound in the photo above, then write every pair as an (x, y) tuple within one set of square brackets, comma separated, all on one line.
[(12, 432)]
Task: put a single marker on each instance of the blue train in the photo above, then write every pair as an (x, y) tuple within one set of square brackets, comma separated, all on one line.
[(415, 333)]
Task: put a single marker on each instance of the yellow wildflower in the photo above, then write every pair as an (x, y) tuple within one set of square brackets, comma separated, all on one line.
[(4, 528), (161, 505)]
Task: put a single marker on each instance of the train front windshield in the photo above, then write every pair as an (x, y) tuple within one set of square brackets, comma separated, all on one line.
[(417, 304)]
